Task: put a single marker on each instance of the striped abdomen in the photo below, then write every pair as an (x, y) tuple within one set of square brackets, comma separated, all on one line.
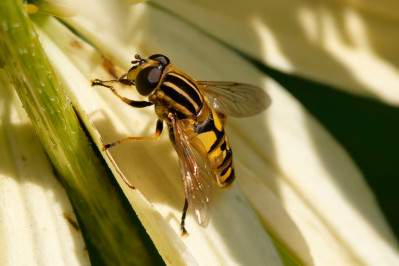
[(211, 134)]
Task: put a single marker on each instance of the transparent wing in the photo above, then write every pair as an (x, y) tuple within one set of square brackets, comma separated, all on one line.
[(235, 99), (196, 173)]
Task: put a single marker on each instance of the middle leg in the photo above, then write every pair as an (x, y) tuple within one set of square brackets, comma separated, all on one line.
[(158, 132)]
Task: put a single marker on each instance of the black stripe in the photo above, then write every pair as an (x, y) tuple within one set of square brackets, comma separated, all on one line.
[(206, 125), (226, 159), (226, 169), (186, 78), (182, 84), (224, 147), (219, 138), (178, 98), (209, 125), (230, 178)]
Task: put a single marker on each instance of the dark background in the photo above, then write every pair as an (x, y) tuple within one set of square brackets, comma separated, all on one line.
[(368, 129)]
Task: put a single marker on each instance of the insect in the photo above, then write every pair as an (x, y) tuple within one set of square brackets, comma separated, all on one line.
[(194, 112)]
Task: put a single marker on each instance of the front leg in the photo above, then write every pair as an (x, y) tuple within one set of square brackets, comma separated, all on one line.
[(103, 83)]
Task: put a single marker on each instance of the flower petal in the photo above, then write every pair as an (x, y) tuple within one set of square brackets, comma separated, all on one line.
[(79, 169), (285, 150), (156, 177), (315, 180), (38, 224), (350, 45)]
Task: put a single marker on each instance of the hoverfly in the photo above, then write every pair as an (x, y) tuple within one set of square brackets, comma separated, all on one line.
[(194, 112)]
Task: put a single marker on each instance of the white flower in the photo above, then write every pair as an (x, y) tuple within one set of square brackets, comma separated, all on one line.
[(295, 183)]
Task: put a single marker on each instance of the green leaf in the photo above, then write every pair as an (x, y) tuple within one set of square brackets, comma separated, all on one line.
[(35, 212), (102, 215)]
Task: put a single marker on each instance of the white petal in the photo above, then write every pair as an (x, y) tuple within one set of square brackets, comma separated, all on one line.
[(153, 169), (317, 183), (37, 223), (350, 45), (293, 158)]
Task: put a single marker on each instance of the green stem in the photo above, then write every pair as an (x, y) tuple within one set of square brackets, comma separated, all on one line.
[(110, 231)]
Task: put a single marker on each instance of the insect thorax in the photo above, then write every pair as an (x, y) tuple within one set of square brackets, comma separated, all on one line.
[(178, 94)]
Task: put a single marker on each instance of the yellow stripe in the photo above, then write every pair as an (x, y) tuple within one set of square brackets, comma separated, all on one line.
[(180, 91), (207, 138), (217, 156), (216, 120), (226, 175), (187, 81), (180, 108)]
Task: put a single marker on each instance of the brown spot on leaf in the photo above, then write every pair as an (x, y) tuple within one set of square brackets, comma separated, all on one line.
[(109, 67), (71, 222), (75, 43)]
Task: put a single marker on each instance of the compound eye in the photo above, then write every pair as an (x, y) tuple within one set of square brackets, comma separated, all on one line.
[(147, 80), (160, 58)]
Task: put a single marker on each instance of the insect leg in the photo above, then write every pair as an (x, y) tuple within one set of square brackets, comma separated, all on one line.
[(137, 104), (183, 218), (158, 132)]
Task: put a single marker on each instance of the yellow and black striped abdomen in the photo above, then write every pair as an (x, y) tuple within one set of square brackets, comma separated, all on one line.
[(181, 94), (211, 133)]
